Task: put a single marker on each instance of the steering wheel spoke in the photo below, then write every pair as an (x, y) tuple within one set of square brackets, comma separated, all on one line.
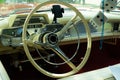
[(30, 43), (68, 25), (61, 54)]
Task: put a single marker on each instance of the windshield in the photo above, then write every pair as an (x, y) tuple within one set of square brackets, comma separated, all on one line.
[(8, 7)]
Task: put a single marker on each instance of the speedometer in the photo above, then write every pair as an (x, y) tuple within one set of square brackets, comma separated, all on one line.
[(36, 21)]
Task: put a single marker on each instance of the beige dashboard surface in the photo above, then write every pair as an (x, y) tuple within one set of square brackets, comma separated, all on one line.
[(99, 74), (3, 73)]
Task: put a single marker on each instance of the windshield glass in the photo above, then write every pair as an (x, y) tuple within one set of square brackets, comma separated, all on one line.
[(8, 7)]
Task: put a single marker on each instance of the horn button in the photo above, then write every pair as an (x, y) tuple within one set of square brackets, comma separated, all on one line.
[(52, 39)]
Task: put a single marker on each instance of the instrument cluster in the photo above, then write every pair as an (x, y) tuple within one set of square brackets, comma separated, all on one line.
[(19, 21)]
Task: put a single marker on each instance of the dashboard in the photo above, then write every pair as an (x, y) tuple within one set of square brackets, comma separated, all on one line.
[(12, 36), (15, 23)]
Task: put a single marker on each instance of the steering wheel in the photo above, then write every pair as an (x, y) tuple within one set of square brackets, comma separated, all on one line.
[(51, 39)]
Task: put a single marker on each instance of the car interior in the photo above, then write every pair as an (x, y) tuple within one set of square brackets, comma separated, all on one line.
[(59, 40)]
